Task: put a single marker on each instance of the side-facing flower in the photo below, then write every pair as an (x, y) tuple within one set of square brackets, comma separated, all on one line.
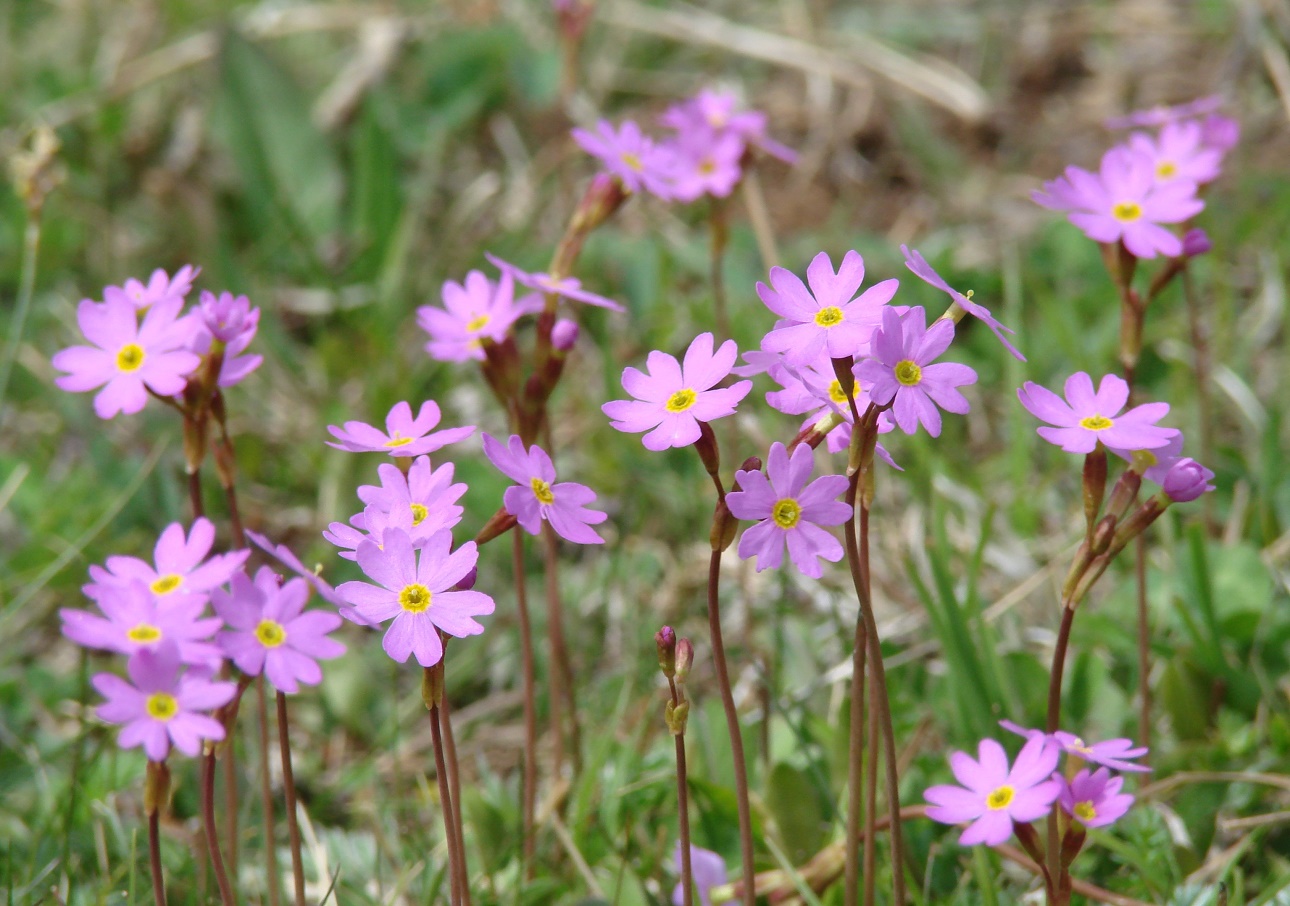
[(180, 566), (417, 591), (901, 371), (233, 321), (160, 288), (161, 705), (1094, 798), (269, 632), (372, 523), (127, 358), (992, 795), (566, 287), (1113, 753), (631, 155), (1178, 153), (134, 619), (790, 512), (672, 398), (403, 435), (473, 312), (287, 558), (1084, 418), (918, 264), (538, 496), (708, 870), (1186, 480), (428, 494)]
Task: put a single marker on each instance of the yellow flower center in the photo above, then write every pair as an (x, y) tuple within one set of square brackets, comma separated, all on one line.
[(1166, 169), (908, 373), (161, 706), (1085, 812), (398, 440), (542, 491), (786, 513), (632, 161), (1078, 744), (1127, 211), (707, 167), (415, 598), (129, 357), (270, 633), (164, 585), (1095, 422), (829, 316), (419, 513), (681, 400), (835, 392), (1000, 798), (144, 634), (477, 323)]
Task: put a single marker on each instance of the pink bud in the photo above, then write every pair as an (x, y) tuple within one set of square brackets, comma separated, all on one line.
[(665, 641), (1196, 242), (467, 581), (1187, 480), (564, 334)]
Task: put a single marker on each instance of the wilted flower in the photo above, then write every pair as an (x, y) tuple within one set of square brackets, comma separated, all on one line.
[(566, 287), (1113, 753), (918, 264)]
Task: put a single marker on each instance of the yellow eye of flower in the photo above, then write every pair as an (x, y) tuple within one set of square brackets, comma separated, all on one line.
[(161, 706), (829, 316), (908, 373), (478, 323), (1095, 422), (398, 440), (1127, 211), (270, 634), (144, 634), (164, 585), (542, 491), (419, 513), (415, 598), (1085, 812), (681, 400), (1000, 798), (786, 513), (129, 357)]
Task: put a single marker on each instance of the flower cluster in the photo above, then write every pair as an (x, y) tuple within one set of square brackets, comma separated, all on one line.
[(141, 341)]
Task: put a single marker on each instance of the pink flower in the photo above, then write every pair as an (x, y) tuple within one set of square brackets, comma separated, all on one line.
[(673, 398), (134, 619), (1187, 480), (1094, 798), (828, 318), (179, 567), (992, 796), (417, 592), (160, 706), (283, 554), (403, 436), (1114, 753), (1220, 132), (707, 869), (1124, 203), (472, 313), (538, 496), (269, 633), (428, 495), (567, 287), (705, 165), (790, 512), (901, 372), (918, 264), (231, 320), (1159, 116), (160, 288), (1178, 153), (128, 357), (630, 155), (1086, 418), (372, 524), (712, 114)]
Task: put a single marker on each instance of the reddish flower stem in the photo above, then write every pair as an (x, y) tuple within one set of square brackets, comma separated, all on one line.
[(154, 857), (273, 879), (528, 801), (289, 791), (683, 807)]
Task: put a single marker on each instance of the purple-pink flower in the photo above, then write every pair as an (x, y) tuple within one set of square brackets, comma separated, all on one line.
[(269, 633), (1186, 480), (474, 312), (180, 566), (789, 511), (630, 155), (1113, 753), (566, 287), (711, 115), (403, 435), (705, 165), (672, 398), (161, 705), (828, 318), (231, 320), (1178, 153), (538, 496), (901, 371), (429, 495), (160, 288), (128, 358), (992, 795), (1094, 798), (707, 869), (1084, 418), (918, 264), (134, 619), (416, 589), (1124, 202)]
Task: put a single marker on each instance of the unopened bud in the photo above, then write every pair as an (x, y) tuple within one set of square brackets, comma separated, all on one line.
[(432, 685), (1196, 242), (684, 659), (665, 641), (708, 450), (564, 334), (751, 464), (156, 788), (1187, 480), (467, 581), (603, 197), (1072, 843), (676, 714), (500, 523)]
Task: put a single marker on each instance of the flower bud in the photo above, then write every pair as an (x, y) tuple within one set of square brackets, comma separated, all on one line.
[(603, 197), (665, 641), (467, 581), (684, 659), (676, 715), (1196, 242), (564, 334), (1187, 480), (751, 464), (500, 523)]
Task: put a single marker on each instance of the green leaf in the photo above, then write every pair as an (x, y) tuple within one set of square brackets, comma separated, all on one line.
[(802, 818)]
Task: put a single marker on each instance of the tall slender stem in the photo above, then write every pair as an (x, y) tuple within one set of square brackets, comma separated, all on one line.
[(449, 811), (682, 805), (272, 879), (732, 726), (289, 793), (195, 494), (212, 832), (720, 236), (454, 783), (1050, 726), (528, 801), (154, 857), (856, 745), (1144, 642), (561, 667)]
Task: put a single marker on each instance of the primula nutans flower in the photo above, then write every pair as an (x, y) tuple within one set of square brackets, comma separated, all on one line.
[(160, 288), (707, 869), (231, 320), (565, 287), (403, 435), (428, 495), (710, 116), (672, 398), (134, 619), (901, 371), (538, 496), (372, 524), (1161, 115), (1123, 202), (284, 555), (704, 166), (417, 591), (1086, 418), (630, 155), (828, 318), (129, 357), (473, 312), (1113, 753), (1178, 153), (992, 795), (918, 264), (160, 705), (269, 633), (179, 566), (790, 512), (1094, 798)]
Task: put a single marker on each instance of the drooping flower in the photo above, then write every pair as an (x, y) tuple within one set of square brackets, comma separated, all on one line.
[(1094, 798), (707, 869), (901, 371), (134, 619), (284, 555), (566, 287), (992, 795), (473, 312), (1186, 480), (1123, 202), (429, 495), (269, 632), (1178, 153), (403, 435), (1084, 418), (672, 398), (180, 566), (161, 705), (160, 288), (828, 318), (127, 358), (538, 496), (631, 155), (1113, 753), (417, 591), (918, 264), (790, 512)]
